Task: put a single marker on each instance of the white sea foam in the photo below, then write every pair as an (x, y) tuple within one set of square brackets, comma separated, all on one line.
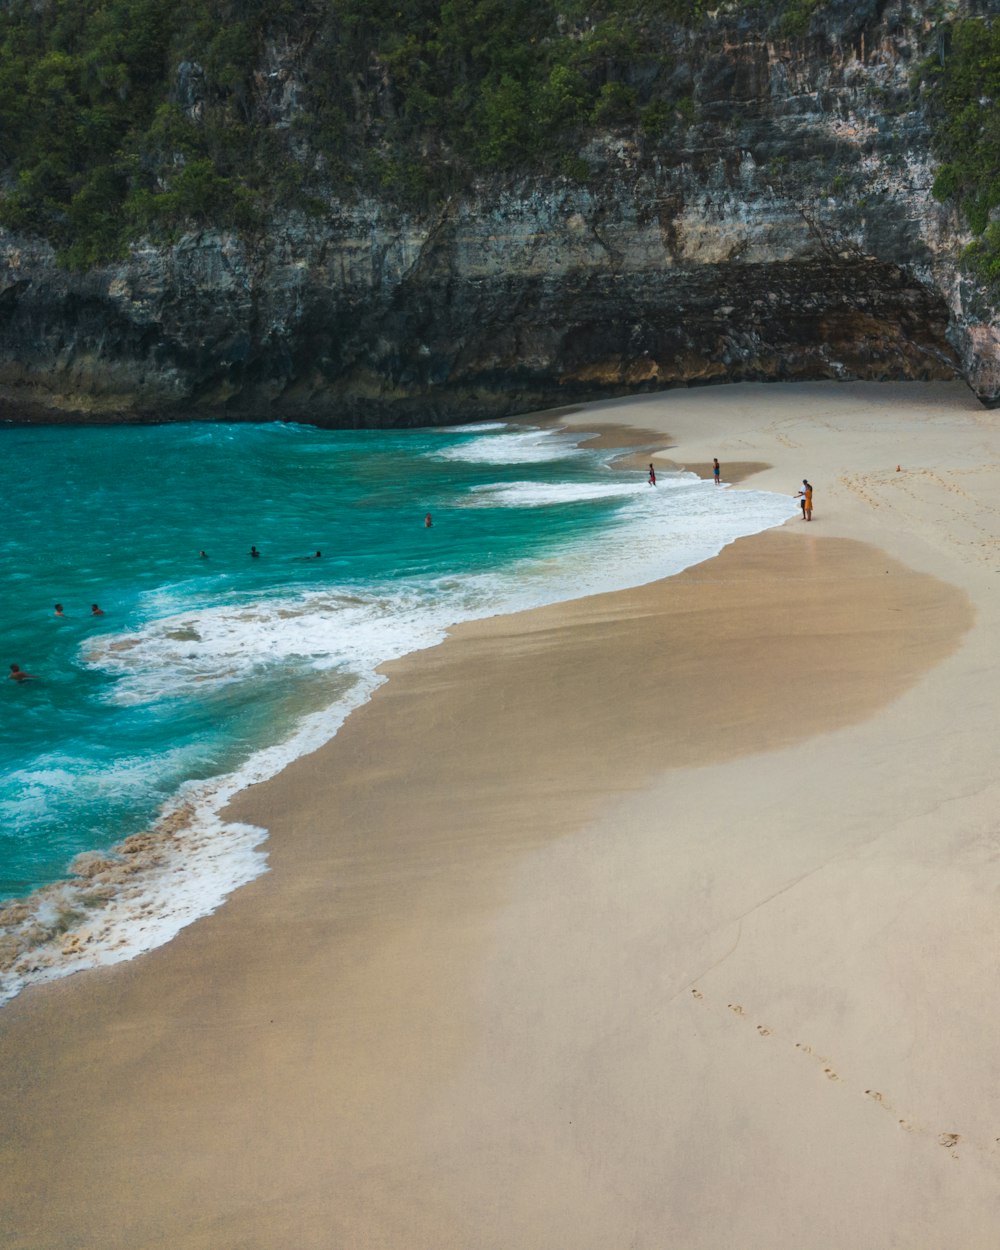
[(523, 447), (657, 532), (541, 494), (197, 864), (474, 427)]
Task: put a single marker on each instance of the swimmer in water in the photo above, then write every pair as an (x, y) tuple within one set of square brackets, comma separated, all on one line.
[(95, 610), (59, 611), (427, 521), (17, 673), (255, 553), (202, 555)]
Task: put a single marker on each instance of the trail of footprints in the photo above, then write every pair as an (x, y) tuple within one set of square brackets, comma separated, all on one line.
[(949, 1141)]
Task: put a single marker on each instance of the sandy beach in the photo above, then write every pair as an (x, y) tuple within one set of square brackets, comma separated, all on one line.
[(665, 918)]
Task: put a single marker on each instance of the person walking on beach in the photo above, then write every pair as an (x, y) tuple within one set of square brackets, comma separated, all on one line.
[(17, 673), (717, 472), (806, 496), (652, 476)]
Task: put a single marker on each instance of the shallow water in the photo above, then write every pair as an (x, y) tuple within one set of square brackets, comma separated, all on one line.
[(205, 672)]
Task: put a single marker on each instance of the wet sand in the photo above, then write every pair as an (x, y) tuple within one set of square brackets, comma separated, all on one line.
[(662, 918)]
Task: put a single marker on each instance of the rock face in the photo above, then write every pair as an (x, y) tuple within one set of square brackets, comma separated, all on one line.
[(789, 233)]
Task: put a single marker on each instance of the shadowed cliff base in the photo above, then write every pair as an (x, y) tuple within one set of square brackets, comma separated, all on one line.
[(436, 350)]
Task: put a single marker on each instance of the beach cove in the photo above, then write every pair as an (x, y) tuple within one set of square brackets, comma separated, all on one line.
[(665, 917)]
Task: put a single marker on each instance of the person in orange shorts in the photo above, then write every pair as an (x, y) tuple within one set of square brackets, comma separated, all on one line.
[(806, 495)]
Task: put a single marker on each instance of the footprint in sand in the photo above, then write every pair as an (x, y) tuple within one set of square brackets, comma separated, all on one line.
[(736, 1009), (949, 1139), (906, 1126), (830, 1074), (697, 993), (875, 1096), (763, 1030), (808, 1050)]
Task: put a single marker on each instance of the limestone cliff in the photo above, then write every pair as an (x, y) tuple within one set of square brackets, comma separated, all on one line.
[(790, 234)]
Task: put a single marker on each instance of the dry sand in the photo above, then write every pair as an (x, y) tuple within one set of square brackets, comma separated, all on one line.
[(662, 919)]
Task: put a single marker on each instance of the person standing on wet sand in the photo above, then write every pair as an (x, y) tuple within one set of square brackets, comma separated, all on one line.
[(806, 495), (717, 472)]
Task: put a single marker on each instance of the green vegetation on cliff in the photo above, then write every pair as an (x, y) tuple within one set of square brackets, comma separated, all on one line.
[(125, 119), (963, 84)]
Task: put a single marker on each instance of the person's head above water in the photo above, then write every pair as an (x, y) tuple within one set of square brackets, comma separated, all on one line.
[(59, 609)]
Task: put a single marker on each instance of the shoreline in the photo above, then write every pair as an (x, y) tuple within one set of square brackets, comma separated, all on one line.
[(120, 902), (599, 917)]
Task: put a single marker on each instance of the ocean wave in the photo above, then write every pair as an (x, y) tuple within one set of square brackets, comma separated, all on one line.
[(543, 494), (523, 447), (474, 427), (353, 630)]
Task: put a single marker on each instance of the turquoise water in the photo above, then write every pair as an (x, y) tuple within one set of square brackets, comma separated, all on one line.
[(199, 664)]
